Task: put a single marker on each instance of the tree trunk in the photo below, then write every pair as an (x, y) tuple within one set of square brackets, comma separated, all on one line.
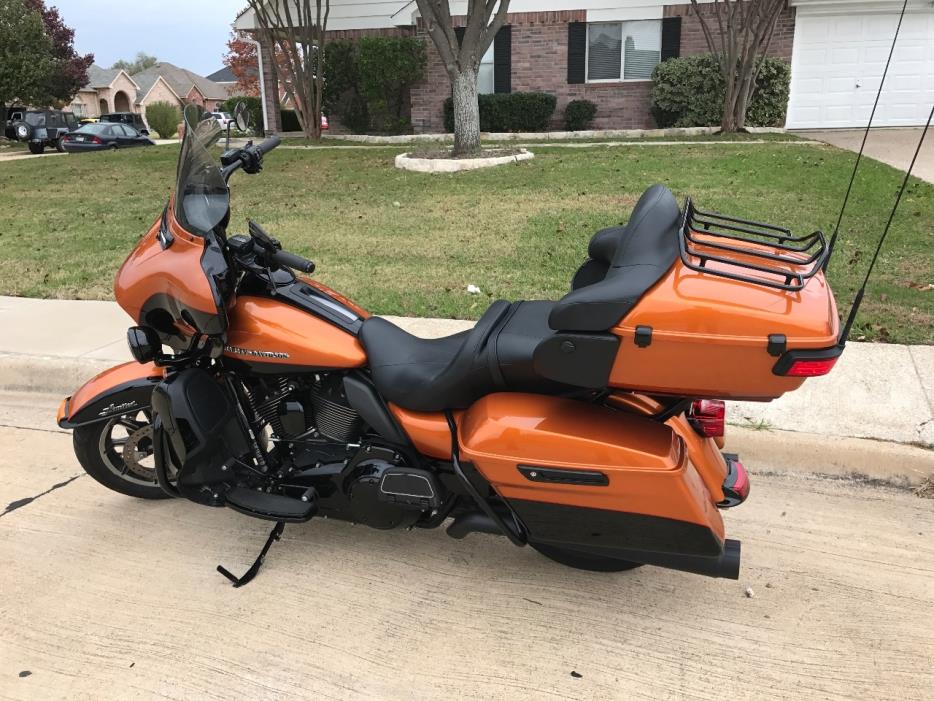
[(466, 113)]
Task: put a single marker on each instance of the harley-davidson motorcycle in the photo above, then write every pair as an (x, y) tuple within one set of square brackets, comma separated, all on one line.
[(590, 428)]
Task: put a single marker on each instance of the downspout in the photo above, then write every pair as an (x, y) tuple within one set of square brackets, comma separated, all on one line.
[(262, 82)]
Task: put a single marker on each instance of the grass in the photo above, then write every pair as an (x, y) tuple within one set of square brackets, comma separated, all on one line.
[(407, 243)]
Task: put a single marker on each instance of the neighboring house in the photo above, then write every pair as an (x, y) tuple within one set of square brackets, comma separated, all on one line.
[(108, 90), (604, 51), (227, 80), (113, 90), (190, 87)]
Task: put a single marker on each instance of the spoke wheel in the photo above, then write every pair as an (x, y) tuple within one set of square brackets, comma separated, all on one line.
[(119, 454)]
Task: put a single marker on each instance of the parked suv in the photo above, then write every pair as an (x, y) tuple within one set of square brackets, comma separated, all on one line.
[(131, 118), (41, 128)]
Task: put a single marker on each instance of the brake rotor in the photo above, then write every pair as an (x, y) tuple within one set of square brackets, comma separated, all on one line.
[(132, 454)]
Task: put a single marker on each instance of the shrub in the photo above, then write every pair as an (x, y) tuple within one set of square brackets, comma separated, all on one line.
[(254, 105), (388, 67), (689, 92), (502, 112), (163, 118), (579, 114), (366, 83)]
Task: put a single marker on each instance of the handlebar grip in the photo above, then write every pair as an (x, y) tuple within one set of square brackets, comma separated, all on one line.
[(290, 260), (268, 145)]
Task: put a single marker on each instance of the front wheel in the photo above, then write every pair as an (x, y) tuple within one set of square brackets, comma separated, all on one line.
[(119, 454), (584, 561)]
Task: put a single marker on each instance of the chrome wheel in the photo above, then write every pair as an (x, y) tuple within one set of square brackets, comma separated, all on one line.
[(126, 448)]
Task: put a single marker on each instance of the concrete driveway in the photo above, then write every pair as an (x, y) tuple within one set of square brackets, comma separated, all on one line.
[(107, 597), (892, 146)]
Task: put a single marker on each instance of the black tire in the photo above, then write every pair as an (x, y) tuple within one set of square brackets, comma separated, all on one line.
[(113, 147), (584, 561), (96, 449), (36, 148), (21, 131), (59, 145)]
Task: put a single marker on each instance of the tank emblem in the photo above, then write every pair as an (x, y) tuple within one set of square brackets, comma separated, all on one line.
[(254, 353)]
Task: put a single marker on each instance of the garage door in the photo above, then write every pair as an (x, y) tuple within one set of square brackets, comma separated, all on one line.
[(837, 63)]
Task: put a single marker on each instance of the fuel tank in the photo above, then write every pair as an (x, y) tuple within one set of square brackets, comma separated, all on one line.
[(272, 336)]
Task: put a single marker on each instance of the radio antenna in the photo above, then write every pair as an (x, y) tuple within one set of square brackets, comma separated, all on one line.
[(845, 334), (859, 156)]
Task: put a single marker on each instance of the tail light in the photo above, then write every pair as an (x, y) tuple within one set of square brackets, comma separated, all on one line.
[(708, 417), (96, 140), (807, 363), (736, 484)]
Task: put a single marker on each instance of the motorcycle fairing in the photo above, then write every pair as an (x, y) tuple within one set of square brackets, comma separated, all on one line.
[(116, 391)]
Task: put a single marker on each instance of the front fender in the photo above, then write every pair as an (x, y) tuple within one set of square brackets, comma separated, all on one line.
[(119, 390)]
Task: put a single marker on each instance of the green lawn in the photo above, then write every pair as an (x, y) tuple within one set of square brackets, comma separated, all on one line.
[(405, 243)]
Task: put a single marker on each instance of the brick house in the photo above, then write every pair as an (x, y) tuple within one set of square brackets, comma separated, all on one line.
[(605, 52), (113, 90)]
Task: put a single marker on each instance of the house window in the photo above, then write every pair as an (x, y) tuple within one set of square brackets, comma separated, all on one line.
[(623, 50), (485, 82)]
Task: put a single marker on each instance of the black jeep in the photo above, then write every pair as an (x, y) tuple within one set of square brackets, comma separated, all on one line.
[(129, 118), (41, 128)]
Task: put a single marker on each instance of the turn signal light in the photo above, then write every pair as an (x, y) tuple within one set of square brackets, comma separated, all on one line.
[(807, 363), (708, 417), (811, 368)]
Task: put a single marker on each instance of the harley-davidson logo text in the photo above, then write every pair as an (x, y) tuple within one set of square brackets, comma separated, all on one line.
[(254, 353)]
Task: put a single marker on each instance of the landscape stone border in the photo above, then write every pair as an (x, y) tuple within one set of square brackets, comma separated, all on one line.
[(540, 136), (454, 165)]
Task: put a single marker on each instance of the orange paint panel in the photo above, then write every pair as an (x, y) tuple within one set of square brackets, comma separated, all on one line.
[(118, 375), (429, 432), (709, 335), (176, 272), (646, 462), (269, 326)]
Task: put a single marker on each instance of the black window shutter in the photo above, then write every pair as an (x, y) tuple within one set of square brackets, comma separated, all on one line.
[(577, 52), (671, 38), (502, 60)]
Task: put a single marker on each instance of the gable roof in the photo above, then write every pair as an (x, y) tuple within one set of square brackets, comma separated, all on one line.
[(182, 80), (103, 77), (147, 83), (224, 75)]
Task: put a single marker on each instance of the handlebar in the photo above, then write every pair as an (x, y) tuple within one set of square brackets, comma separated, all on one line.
[(268, 145), (290, 260)]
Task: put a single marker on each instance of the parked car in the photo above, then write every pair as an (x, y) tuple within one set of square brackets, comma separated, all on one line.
[(223, 118), (129, 118), (103, 136), (41, 128)]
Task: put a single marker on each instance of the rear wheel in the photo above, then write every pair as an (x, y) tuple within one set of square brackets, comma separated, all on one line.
[(59, 145), (36, 147), (584, 561), (119, 454)]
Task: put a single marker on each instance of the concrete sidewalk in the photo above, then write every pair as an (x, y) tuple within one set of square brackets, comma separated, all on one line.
[(876, 392)]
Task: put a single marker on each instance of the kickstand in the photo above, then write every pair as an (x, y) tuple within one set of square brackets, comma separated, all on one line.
[(247, 577)]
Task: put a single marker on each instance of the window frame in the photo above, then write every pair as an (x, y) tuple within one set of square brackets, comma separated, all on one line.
[(622, 55)]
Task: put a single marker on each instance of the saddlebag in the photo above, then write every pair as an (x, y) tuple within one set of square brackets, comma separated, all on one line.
[(198, 434), (584, 476)]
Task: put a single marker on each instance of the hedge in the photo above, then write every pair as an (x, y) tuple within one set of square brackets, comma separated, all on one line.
[(503, 112), (253, 104), (579, 114), (689, 92)]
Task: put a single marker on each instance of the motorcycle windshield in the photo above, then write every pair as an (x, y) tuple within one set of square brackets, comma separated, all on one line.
[(202, 198)]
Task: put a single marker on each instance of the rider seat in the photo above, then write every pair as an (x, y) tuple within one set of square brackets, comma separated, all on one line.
[(542, 347)]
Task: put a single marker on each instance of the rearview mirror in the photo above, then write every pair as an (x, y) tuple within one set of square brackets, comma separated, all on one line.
[(242, 116)]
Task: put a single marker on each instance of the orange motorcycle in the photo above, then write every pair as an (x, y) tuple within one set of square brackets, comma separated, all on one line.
[(590, 428)]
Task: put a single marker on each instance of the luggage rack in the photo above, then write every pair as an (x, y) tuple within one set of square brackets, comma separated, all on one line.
[(808, 252)]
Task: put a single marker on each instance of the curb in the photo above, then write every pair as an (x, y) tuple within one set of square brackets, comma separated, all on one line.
[(455, 165), (761, 451)]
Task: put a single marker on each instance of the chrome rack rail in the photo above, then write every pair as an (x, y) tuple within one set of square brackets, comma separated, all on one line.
[(721, 234)]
